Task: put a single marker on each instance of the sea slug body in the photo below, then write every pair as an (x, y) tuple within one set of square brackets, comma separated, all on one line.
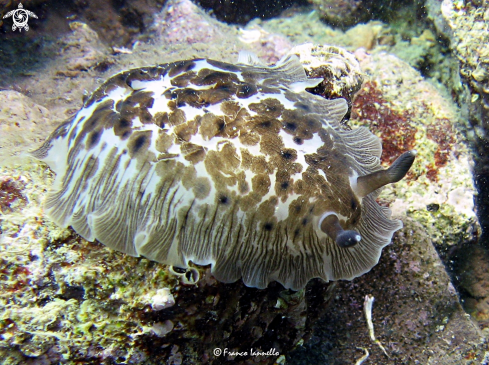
[(233, 165)]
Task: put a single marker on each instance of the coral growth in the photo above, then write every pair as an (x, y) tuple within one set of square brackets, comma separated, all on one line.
[(393, 127), (11, 193)]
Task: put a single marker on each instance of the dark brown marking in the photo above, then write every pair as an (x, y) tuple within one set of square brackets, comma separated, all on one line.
[(161, 119), (224, 66), (122, 126), (181, 67), (138, 143), (93, 139), (177, 117), (183, 80), (246, 90), (269, 107)]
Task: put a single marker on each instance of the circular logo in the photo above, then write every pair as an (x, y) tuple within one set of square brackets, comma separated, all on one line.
[(217, 351), (20, 17)]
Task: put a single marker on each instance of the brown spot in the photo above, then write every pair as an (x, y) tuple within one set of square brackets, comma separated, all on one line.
[(185, 131), (249, 201), (141, 98), (264, 124), (230, 108), (211, 125), (210, 77), (260, 184), (244, 91), (189, 97), (297, 208), (138, 143), (271, 108), (177, 117), (202, 188), (188, 177), (145, 116), (260, 165), (176, 68), (123, 128), (271, 144), (283, 184), (161, 119), (163, 142), (166, 156), (301, 125), (229, 158), (243, 186), (93, 139), (249, 138), (224, 66), (222, 165), (288, 154), (183, 80), (170, 171), (192, 152), (99, 116), (266, 210), (217, 94), (246, 159)]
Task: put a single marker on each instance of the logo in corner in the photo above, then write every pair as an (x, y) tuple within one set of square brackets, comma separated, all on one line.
[(20, 17)]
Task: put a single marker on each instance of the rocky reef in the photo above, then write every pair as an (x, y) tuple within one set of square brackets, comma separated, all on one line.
[(66, 300)]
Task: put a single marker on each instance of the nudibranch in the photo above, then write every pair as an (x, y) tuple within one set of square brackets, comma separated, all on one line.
[(232, 165)]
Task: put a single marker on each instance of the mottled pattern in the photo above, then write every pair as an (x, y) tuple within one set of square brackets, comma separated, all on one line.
[(214, 163)]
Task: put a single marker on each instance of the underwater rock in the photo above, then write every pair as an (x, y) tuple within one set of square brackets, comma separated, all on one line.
[(339, 69), (465, 25), (417, 316), (242, 11), (22, 124), (342, 13), (269, 47), (408, 112), (83, 49), (183, 22)]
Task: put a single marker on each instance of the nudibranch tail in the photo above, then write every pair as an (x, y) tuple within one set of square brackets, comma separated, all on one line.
[(371, 182)]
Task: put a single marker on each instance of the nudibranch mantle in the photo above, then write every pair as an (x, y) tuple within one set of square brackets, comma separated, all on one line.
[(236, 166)]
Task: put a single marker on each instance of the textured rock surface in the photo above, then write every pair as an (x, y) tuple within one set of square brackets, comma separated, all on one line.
[(342, 13), (117, 23), (416, 313), (23, 123), (340, 70), (465, 25)]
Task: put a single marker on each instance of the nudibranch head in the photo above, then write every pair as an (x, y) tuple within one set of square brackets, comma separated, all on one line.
[(232, 165)]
